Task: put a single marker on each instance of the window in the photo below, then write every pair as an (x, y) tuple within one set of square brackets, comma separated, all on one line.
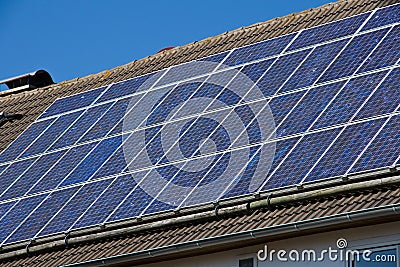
[(246, 262)]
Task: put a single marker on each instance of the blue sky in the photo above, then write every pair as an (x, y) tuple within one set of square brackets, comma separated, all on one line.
[(75, 38)]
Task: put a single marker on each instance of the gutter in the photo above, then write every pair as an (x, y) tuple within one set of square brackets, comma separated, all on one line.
[(120, 229), (268, 232)]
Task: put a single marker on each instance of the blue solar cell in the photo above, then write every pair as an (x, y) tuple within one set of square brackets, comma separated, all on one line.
[(329, 31), (308, 109), (133, 114), (301, 159), (93, 161), (158, 206), (169, 101), (79, 127), (43, 143), (253, 129), (242, 186), (256, 70), (215, 88), (215, 58), (258, 51), (108, 121), (14, 170), (5, 207), (115, 164), (59, 171), (187, 71), (386, 54), (107, 202), (32, 175), (385, 99), (184, 177), (24, 140), (127, 87), (11, 220), (354, 54), (384, 150), (73, 102), (280, 72), (349, 100), (75, 207), (2, 168), (314, 65), (345, 150), (47, 209), (282, 105), (135, 203), (384, 16)]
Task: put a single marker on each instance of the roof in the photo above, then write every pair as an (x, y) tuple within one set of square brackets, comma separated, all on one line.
[(141, 237)]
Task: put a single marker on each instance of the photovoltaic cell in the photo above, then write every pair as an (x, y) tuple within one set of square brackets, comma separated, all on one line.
[(5, 207), (183, 178), (107, 202), (108, 121), (282, 105), (384, 149), (385, 99), (127, 87), (24, 182), (2, 168), (80, 126), (307, 110), (62, 168), (92, 161), (280, 72), (345, 150), (386, 54), (215, 58), (349, 100), (76, 206), (24, 140), (10, 221), (242, 186), (314, 65), (329, 31), (256, 70), (41, 144), (9, 175), (384, 16), (41, 215), (354, 54), (72, 102), (135, 203), (186, 71), (259, 50), (301, 159)]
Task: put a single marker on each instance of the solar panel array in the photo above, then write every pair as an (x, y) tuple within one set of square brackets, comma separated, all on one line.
[(319, 103)]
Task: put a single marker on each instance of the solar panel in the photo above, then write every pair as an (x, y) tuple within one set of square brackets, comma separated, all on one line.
[(298, 109)]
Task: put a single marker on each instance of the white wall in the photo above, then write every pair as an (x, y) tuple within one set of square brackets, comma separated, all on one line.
[(362, 237)]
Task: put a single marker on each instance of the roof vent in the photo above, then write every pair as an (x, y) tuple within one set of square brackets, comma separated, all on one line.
[(32, 80)]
